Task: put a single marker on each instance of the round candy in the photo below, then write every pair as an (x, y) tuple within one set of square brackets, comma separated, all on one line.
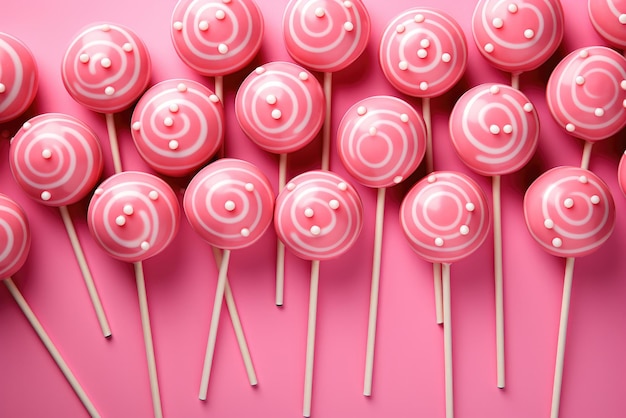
[(381, 141), (14, 237), (229, 203), (217, 37), (494, 129), (586, 93), (280, 106), (423, 52), (18, 78), (518, 35), (326, 35), (318, 215), (621, 173), (445, 217), (133, 215), (569, 211), (177, 126), (609, 19), (56, 159), (106, 68)]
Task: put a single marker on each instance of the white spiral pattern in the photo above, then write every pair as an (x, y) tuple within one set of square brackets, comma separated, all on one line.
[(586, 93), (14, 237), (18, 76), (329, 42), (70, 169), (570, 211), (177, 126), (609, 19), (229, 203), (494, 129), (318, 215), (297, 97), (445, 217), (381, 141)]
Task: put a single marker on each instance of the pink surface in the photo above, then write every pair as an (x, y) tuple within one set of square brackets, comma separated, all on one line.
[(408, 369)]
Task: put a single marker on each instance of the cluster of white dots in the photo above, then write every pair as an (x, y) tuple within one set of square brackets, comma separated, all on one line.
[(316, 230), (498, 23), (347, 26), (203, 25)]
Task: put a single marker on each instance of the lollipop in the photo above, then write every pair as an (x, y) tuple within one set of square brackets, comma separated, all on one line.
[(318, 216), (280, 107), (18, 78), (134, 216), (423, 53), (381, 141), (494, 129), (621, 173), (570, 212), (517, 36), (326, 36), (177, 126), (56, 159), (14, 248), (586, 95), (217, 37), (229, 204), (106, 68), (609, 19), (445, 218)]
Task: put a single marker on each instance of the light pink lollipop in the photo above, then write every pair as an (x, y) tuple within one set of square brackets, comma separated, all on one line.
[(134, 216), (56, 159), (381, 140), (318, 216), (14, 247), (570, 212), (609, 20), (445, 218), (177, 126), (326, 36), (586, 94), (106, 68), (230, 205), (280, 107), (19, 78), (494, 129), (517, 36)]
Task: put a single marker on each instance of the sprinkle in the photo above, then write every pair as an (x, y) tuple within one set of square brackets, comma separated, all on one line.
[(494, 129), (168, 121), (580, 80), (348, 26), (599, 112), (120, 220), (249, 187), (259, 70), (373, 131), (315, 230), (432, 178), (128, 47), (470, 207), (423, 86), (403, 65), (361, 110), (342, 186), (568, 203), (494, 89), (464, 230), (173, 144), (128, 210), (446, 57), (528, 107), (583, 54), (439, 241), (145, 245), (220, 15), (291, 186), (400, 28), (583, 179), (334, 204), (178, 25), (557, 242), (3, 88), (419, 18), (46, 153), (424, 43), (622, 19), (308, 212), (136, 126), (153, 195), (422, 53), (84, 58), (570, 127), (174, 108), (512, 8), (229, 205), (595, 199), (548, 223), (529, 34), (497, 23), (623, 84), (245, 232), (203, 25), (45, 195), (214, 98), (98, 191), (26, 125), (347, 4), (489, 48), (404, 117), (276, 114), (181, 87), (222, 48), (105, 28), (507, 129), (303, 76), (105, 62), (319, 12), (398, 179), (109, 91), (271, 99)]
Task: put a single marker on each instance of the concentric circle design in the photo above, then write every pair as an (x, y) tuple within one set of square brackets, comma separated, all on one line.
[(609, 19), (14, 237), (19, 78)]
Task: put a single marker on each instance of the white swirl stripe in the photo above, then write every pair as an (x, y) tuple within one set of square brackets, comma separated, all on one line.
[(8, 97), (16, 240)]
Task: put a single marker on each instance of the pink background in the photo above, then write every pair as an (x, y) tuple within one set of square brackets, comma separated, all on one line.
[(408, 374)]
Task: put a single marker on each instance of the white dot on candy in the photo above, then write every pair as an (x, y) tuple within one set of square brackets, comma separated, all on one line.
[(334, 204), (422, 53), (105, 62), (439, 242), (622, 19), (308, 212), (529, 34), (259, 70), (599, 112), (214, 98), (446, 57), (220, 15), (624, 103), (249, 187), (595, 199), (3, 88), (404, 117), (203, 25), (319, 12), (507, 129), (245, 232), (494, 89), (128, 47), (270, 99), (570, 127), (400, 28), (229, 205), (173, 144), (583, 179), (419, 18), (46, 153), (136, 126), (580, 80), (431, 179), (464, 230), (373, 131), (568, 203), (276, 114), (45, 195), (181, 87), (583, 54), (470, 207), (26, 125), (623, 84), (497, 23), (423, 86), (342, 186), (84, 58), (348, 26), (109, 91), (105, 28), (528, 107), (303, 76), (174, 108), (98, 191), (424, 43), (512, 8), (120, 220), (222, 48), (347, 4), (403, 65), (291, 186), (494, 129), (548, 223), (315, 230), (397, 179), (168, 121), (145, 245), (489, 48), (128, 210), (557, 242), (153, 195), (361, 110), (178, 25)]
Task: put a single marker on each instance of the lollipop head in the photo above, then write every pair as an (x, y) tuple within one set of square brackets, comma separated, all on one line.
[(18, 78), (609, 19), (14, 237)]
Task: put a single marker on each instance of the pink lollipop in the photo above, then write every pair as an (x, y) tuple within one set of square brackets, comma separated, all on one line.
[(517, 36), (586, 95), (570, 212), (445, 218), (18, 78), (326, 36), (177, 126), (609, 19), (318, 216), (106, 68), (494, 129), (381, 141), (229, 204), (621, 173), (14, 248), (134, 216), (56, 159), (280, 107)]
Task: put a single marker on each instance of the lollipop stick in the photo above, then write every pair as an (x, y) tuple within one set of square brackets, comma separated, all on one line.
[(371, 328), (215, 319), (280, 247), (515, 80), (429, 134), (84, 268), (115, 149), (497, 262), (310, 338), (328, 84), (560, 348), (147, 339), (30, 315), (447, 339), (234, 317), (586, 155), (438, 293)]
